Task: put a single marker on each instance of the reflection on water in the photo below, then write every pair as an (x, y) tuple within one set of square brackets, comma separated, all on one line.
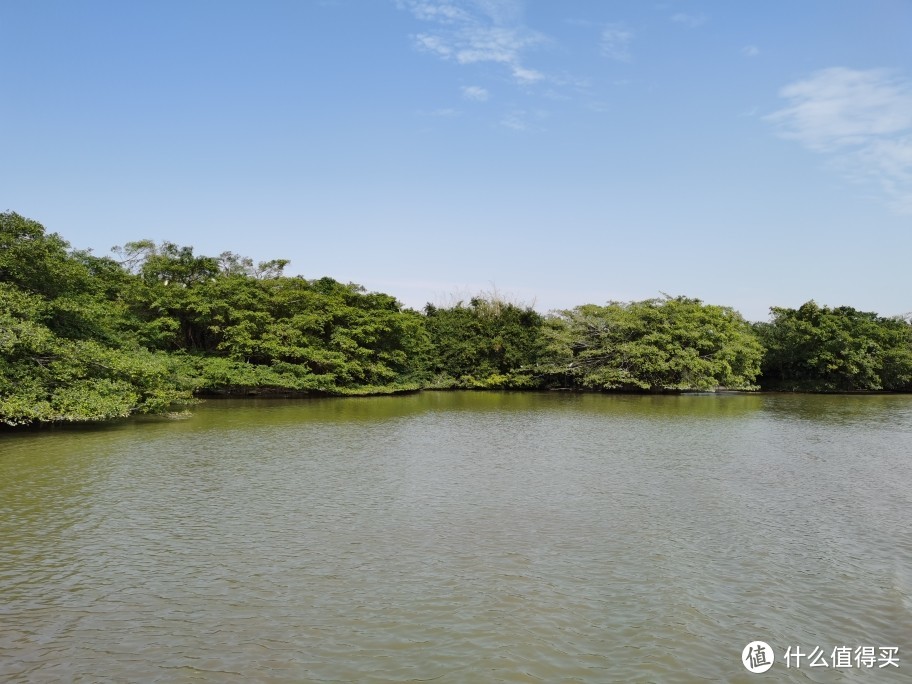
[(459, 537)]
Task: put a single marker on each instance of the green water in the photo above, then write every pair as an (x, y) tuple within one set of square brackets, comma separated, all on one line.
[(460, 537)]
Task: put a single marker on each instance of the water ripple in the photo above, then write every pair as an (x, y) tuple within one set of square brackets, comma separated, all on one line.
[(458, 538)]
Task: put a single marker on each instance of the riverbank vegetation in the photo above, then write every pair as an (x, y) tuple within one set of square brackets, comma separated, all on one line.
[(84, 337)]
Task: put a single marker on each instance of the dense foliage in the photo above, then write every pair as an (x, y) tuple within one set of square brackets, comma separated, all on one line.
[(816, 348), (64, 354), (668, 344), (488, 344), (248, 327), (91, 338)]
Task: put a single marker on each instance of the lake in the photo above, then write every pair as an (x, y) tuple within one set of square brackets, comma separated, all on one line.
[(463, 537)]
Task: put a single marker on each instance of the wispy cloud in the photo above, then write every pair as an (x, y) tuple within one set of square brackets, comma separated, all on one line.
[(860, 119), (523, 121), (516, 120), (443, 12), (750, 51), (445, 112), (837, 108), (477, 31), (615, 42), (689, 20), (434, 44), (476, 93)]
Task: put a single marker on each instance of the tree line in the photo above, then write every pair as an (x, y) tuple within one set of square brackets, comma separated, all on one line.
[(84, 337)]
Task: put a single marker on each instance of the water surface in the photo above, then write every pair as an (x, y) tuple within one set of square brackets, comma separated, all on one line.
[(460, 537)]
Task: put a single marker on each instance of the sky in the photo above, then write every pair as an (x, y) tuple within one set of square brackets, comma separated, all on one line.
[(749, 154)]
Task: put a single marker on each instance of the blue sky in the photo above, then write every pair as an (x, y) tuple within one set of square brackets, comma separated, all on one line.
[(749, 154)]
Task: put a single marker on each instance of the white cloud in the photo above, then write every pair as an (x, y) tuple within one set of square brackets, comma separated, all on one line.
[(476, 93), (477, 31), (515, 120), (862, 119), (889, 163), (689, 20), (492, 44), (433, 44), (501, 11), (841, 107), (750, 51), (444, 112), (444, 12), (524, 121), (524, 75), (615, 42)]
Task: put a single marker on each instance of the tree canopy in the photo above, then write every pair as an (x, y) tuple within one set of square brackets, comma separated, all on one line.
[(489, 343), (816, 348), (84, 337), (668, 344), (63, 356)]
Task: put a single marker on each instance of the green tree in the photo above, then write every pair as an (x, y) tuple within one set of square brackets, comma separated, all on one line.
[(249, 327), (668, 344), (488, 343), (64, 354), (36, 262), (816, 348)]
